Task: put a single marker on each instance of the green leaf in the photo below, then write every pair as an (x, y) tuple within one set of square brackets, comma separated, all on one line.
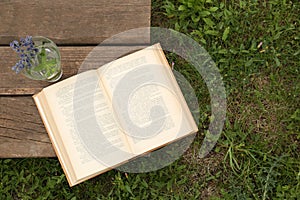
[(296, 115), (128, 189), (277, 62), (204, 13), (277, 35), (43, 55), (233, 51), (177, 26), (181, 8), (45, 65), (211, 32), (222, 51), (190, 4), (209, 22), (7, 161), (245, 51), (195, 19), (296, 53), (38, 68), (144, 183), (227, 14), (203, 40), (249, 63), (222, 5), (213, 9), (225, 33)]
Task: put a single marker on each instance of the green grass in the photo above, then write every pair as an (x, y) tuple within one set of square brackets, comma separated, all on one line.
[(258, 154)]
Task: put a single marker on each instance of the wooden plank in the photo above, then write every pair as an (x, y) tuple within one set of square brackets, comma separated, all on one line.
[(17, 148), (73, 21), (71, 58), (22, 133)]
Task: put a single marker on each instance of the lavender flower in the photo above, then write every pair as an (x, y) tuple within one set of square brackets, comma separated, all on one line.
[(26, 52)]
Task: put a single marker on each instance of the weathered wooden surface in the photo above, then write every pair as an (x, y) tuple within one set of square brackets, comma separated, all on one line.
[(73, 21), (71, 58), (22, 133), (77, 27)]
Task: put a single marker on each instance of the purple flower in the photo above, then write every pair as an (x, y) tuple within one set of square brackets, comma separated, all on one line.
[(15, 45), (18, 67), (22, 41), (26, 41), (26, 51)]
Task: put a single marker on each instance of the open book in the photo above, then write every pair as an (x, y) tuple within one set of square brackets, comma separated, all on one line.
[(100, 119)]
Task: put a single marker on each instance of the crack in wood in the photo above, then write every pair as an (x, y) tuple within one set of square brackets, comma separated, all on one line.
[(23, 131), (26, 139)]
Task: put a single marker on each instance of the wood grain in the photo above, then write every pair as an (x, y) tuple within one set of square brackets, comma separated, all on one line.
[(72, 63), (22, 133), (74, 25), (73, 21)]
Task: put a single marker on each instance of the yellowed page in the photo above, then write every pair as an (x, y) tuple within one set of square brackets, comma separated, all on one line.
[(73, 115), (138, 83), (56, 140)]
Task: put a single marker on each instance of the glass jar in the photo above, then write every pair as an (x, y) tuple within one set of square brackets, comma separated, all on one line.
[(46, 64)]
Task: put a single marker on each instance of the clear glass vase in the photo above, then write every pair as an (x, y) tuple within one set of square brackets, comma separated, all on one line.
[(45, 65)]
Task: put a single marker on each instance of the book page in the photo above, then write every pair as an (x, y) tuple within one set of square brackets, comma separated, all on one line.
[(146, 101), (87, 128)]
